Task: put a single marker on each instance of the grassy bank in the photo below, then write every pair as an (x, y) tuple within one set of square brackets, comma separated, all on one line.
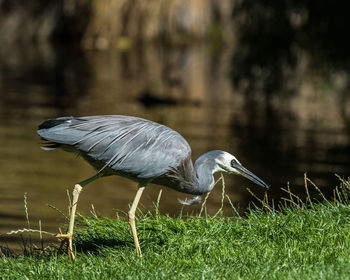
[(297, 241)]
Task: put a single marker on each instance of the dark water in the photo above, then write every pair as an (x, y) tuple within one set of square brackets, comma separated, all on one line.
[(281, 118)]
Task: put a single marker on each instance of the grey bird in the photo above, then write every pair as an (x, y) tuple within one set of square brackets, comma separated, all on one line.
[(139, 149)]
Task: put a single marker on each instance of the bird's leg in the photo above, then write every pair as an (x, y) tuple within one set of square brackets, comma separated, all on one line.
[(132, 218), (68, 237)]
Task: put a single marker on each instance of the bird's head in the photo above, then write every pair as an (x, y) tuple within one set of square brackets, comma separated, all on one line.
[(225, 162)]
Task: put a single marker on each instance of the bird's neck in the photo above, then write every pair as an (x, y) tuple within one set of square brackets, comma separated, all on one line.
[(204, 174)]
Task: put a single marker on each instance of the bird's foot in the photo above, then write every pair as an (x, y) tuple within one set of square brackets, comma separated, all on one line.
[(66, 238), (138, 251)]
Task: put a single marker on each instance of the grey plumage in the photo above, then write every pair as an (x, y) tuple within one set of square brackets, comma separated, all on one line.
[(136, 148)]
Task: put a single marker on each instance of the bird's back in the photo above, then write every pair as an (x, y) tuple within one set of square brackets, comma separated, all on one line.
[(131, 146)]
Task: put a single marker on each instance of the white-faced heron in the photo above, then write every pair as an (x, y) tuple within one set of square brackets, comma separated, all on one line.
[(139, 149)]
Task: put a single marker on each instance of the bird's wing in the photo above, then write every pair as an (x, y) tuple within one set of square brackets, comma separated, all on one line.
[(133, 145)]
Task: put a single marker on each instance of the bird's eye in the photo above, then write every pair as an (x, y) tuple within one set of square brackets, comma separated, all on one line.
[(233, 162)]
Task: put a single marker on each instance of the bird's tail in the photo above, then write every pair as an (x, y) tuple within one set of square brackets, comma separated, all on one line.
[(53, 122), (48, 132), (49, 146)]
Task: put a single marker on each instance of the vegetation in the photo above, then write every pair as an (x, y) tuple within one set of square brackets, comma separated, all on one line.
[(309, 240)]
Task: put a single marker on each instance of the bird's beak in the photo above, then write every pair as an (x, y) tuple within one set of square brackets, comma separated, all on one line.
[(249, 175)]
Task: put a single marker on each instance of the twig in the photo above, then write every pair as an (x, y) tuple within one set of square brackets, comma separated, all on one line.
[(41, 237), (222, 195), (58, 210), (344, 187), (307, 190), (264, 204), (29, 230), (27, 218), (203, 205), (312, 183), (26, 209), (335, 200), (233, 207), (70, 202), (266, 200), (338, 194), (291, 195), (93, 212), (158, 200), (205, 200), (291, 201)]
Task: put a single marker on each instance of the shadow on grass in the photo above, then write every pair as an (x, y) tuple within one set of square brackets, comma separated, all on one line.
[(94, 245), (94, 234), (97, 245)]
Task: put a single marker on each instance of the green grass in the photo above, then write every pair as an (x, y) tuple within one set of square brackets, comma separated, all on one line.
[(305, 241)]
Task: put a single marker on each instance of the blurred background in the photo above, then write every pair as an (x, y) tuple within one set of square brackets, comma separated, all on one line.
[(268, 81)]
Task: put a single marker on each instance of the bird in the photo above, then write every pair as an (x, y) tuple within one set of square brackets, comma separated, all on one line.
[(141, 150)]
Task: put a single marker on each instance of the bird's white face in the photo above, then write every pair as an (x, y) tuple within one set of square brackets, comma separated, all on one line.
[(229, 164), (226, 163)]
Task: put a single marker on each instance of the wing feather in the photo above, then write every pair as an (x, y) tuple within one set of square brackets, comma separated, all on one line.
[(141, 148)]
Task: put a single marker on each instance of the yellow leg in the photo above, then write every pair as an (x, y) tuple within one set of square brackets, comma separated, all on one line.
[(132, 218), (68, 237)]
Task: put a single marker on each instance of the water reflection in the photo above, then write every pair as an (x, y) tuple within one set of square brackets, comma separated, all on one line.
[(295, 123), (297, 80)]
